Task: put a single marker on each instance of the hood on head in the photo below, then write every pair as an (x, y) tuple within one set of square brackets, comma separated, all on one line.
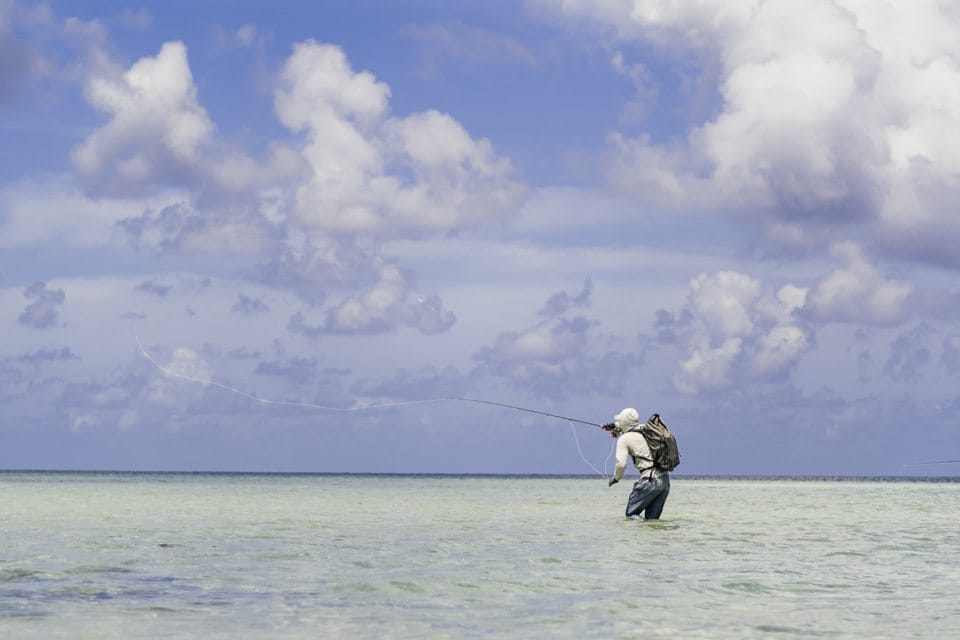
[(627, 419)]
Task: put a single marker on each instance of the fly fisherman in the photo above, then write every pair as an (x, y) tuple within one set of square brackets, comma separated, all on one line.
[(651, 490)]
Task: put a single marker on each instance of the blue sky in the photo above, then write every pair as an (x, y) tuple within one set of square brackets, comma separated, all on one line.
[(738, 214)]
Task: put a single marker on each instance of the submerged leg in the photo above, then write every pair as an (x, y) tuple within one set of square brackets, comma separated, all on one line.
[(648, 496), (644, 492), (655, 507)]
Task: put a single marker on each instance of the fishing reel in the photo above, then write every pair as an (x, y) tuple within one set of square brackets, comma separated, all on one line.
[(611, 428)]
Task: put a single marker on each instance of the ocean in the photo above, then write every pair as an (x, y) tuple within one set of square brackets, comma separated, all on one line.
[(141, 555)]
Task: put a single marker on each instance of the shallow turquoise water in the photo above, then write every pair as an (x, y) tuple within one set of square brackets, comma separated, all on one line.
[(244, 556)]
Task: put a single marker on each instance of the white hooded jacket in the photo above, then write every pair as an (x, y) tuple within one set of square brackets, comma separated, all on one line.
[(633, 445)]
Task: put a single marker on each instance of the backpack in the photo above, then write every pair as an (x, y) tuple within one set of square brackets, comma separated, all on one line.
[(661, 442)]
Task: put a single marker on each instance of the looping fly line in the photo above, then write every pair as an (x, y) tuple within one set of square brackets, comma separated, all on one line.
[(287, 403), (379, 405)]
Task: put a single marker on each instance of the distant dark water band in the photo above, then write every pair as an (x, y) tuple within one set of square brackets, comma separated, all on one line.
[(533, 476)]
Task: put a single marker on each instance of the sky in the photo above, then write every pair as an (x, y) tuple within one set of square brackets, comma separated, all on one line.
[(278, 237)]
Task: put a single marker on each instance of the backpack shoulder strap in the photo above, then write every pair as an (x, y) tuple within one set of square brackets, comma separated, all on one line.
[(640, 470)]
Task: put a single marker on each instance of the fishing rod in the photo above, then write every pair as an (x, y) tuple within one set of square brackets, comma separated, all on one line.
[(542, 413), (919, 464)]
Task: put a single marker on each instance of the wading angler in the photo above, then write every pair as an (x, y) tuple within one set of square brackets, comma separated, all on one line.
[(654, 452)]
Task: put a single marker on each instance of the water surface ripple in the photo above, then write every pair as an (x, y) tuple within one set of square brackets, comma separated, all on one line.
[(306, 556)]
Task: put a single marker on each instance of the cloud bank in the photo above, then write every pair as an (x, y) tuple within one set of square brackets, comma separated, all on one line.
[(828, 118), (737, 213)]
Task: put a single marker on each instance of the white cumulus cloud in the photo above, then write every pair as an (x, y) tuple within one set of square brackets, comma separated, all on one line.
[(830, 117), (372, 172), (157, 126), (858, 292), (741, 333)]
